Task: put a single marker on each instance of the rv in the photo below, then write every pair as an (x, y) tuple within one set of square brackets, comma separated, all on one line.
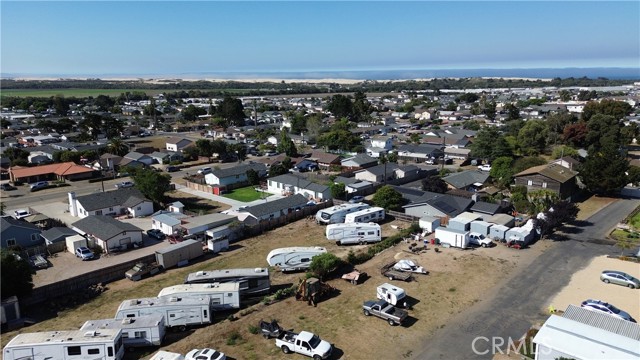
[(136, 332), (353, 233), (66, 345), (391, 294), (223, 296), (178, 312), (373, 214), (293, 258), (252, 282), (336, 214), (166, 355)]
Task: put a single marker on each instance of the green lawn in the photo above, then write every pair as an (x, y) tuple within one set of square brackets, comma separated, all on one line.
[(244, 194), (635, 221)]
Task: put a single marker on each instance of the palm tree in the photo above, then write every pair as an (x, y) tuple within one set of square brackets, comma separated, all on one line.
[(117, 147)]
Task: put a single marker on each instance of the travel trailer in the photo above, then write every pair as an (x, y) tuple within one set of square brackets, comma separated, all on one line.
[(336, 214), (373, 214), (136, 332), (223, 296), (66, 345), (253, 281), (293, 258), (166, 355), (178, 312), (353, 233), (391, 294)]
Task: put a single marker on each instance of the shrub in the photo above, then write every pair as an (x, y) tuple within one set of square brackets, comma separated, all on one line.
[(234, 338), (253, 329)]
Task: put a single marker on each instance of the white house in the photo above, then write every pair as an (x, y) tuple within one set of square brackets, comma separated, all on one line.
[(382, 142), (109, 233), (119, 202), (167, 221), (177, 143), (234, 175), (289, 184)]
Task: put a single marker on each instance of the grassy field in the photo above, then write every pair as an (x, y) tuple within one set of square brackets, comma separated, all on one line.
[(79, 93), (244, 194)]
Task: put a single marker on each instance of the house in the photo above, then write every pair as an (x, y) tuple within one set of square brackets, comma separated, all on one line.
[(470, 180), (167, 221), (118, 202), (583, 334), (196, 226), (567, 161), (553, 177), (234, 175), (139, 157), (437, 205), (177, 143), (274, 209), (382, 142), (360, 161), (61, 171), (19, 233), (457, 153), (107, 162), (325, 160), (55, 238), (295, 184), (419, 153), (166, 157), (353, 185), (482, 207), (108, 233), (388, 172)]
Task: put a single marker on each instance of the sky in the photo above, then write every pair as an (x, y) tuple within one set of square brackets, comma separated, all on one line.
[(167, 37)]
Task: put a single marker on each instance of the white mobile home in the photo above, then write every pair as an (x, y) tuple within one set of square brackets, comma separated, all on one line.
[(293, 258), (373, 214), (253, 281), (178, 312), (223, 296), (354, 233), (66, 345), (136, 332), (336, 214)]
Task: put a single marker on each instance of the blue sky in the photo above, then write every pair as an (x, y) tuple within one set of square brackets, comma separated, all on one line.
[(163, 37)]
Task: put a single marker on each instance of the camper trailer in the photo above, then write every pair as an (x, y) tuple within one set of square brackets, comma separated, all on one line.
[(353, 233), (336, 214), (373, 214), (136, 332), (293, 258), (178, 312), (391, 294), (253, 281), (66, 345), (224, 296), (453, 237)]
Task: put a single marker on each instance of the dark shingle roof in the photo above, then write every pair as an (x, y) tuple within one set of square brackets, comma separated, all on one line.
[(238, 170), (448, 204), (466, 178), (289, 202), (129, 196), (103, 227), (57, 233), (485, 207), (6, 222)]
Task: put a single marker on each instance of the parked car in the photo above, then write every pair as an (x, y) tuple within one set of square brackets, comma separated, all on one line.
[(619, 278), (205, 354), (124, 185), (485, 167), (171, 168), (141, 270), (39, 185), (603, 307), (21, 214), (356, 199), (84, 253), (7, 187), (156, 233), (205, 171)]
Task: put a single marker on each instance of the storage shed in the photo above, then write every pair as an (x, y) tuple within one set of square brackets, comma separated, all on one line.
[(460, 224), (498, 232), (481, 227), (429, 223)]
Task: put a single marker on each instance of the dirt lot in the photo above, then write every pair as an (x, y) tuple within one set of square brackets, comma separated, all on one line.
[(456, 281)]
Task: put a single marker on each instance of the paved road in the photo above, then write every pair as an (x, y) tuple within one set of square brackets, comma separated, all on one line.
[(518, 303)]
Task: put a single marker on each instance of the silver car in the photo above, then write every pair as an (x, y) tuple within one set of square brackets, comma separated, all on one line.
[(619, 278), (606, 308)]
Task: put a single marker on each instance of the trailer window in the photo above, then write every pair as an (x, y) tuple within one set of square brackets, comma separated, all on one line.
[(205, 313), (371, 233), (74, 350), (110, 351), (94, 351), (125, 335), (131, 315), (304, 260), (140, 334)]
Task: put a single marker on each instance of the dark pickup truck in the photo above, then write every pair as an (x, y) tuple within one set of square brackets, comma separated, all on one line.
[(142, 269), (384, 310)]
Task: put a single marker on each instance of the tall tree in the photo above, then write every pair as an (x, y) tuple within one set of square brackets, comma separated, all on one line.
[(502, 171), (340, 106), (204, 146), (604, 170), (575, 134), (231, 110), (112, 127), (152, 184), (388, 198), (435, 184), (602, 130), (532, 138), (361, 106), (286, 145), (16, 275), (118, 147), (337, 190), (617, 109), (489, 144)]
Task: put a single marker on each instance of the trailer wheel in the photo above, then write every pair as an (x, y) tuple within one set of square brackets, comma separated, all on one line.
[(182, 328), (285, 349)]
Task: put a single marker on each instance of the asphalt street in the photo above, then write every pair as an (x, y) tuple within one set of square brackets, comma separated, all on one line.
[(518, 304)]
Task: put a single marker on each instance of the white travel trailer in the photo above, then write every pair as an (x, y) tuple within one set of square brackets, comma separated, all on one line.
[(373, 214), (253, 281), (293, 258), (136, 332), (223, 296), (177, 311), (66, 345), (354, 233), (166, 355), (336, 214), (391, 294)]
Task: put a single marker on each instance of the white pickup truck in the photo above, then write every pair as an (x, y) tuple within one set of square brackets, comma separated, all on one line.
[(479, 239), (304, 343)]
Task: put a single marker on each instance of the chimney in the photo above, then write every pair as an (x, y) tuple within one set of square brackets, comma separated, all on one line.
[(73, 207)]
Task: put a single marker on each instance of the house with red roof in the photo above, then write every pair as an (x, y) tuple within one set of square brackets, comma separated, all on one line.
[(63, 171)]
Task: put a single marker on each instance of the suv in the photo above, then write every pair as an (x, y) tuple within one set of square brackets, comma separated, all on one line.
[(619, 278), (603, 307), (84, 253), (39, 185), (171, 168), (124, 184), (21, 214), (7, 187), (205, 170)]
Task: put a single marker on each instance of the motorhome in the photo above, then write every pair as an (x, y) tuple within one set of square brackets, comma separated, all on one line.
[(353, 233), (336, 214), (66, 345), (293, 258), (372, 214), (391, 294), (223, 296), (136, 332), (253, 281), (177, 311)]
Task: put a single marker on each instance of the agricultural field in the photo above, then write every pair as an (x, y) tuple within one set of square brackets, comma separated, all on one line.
[(81, 93), (457, 280)]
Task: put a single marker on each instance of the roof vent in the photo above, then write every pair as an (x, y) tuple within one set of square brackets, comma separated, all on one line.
[(90, 334), (128, 320)]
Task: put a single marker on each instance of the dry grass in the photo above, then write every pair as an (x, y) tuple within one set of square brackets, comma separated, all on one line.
[(592, 205), (196, 203)]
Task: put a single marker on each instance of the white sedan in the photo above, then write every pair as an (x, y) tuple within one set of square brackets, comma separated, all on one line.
[(205, 354), (124, 184), (485, 167)]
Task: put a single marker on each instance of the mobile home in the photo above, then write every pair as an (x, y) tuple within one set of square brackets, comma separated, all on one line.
[(353, 233), (223, 296), (293, 258), (136, 332), (253, 281), (336, 214), (373, 214), (66, 345), (177, 311)]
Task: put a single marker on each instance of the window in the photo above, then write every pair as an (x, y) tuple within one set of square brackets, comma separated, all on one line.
[(529, 182), (131, 315), (110, 351), (74, 350), (94, 351), (544, 184), (304, 260), (99, 212), (110, 209), (139, 208), (140, 334), (237, 176), (370, 232), (125, 335), (215, 301), (35, 237), (11, 242), (360, 233), (172, 315), (205, 313)]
